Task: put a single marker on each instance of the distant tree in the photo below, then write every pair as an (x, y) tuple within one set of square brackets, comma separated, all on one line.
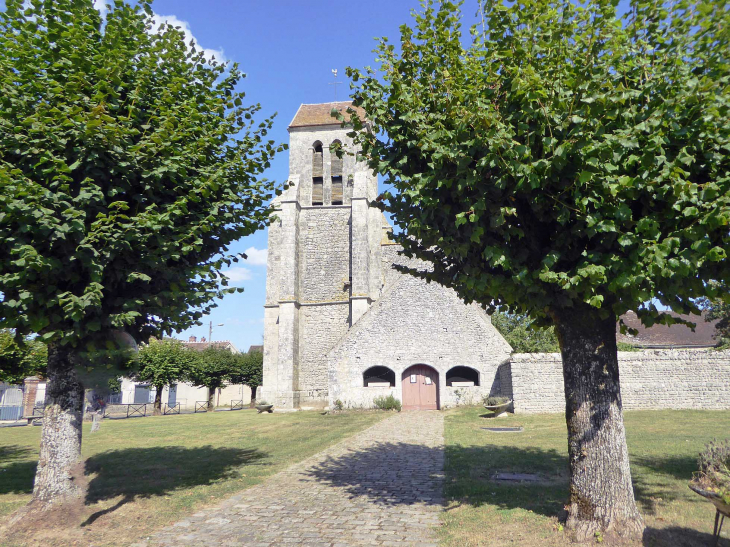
[(128, 165), (19, 361), (214, 368), (163, 363), (524, 337), (568, 164), (249, 371)]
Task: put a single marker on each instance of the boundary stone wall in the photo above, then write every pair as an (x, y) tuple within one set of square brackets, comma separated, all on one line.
[(650, 379)]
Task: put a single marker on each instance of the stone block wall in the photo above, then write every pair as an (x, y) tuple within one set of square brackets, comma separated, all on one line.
[(415, 322), (651, 379)]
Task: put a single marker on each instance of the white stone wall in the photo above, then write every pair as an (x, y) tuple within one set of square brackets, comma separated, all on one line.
[(652, 379), (415, 322)]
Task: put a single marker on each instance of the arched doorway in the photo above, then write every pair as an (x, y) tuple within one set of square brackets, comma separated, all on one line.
[(420, 388)]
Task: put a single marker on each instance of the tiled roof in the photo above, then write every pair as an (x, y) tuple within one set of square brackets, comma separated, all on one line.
[(662, 336), (200, 346), (320, 114), (259, 349)]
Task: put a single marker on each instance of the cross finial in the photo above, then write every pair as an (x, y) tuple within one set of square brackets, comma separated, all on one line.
[(335, 83)]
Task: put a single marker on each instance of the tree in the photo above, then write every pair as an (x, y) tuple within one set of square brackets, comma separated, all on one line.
[(128, 164), (523, 336), (249, 371), (214, 368), (568, 165), (18, 361), (163, 363)]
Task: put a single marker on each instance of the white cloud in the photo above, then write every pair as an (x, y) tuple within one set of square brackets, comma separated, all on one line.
[(158, 20), (256, 257), (101, 6), (238, 274)]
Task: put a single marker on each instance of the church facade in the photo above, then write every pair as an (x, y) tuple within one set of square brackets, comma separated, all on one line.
[(341, 324)]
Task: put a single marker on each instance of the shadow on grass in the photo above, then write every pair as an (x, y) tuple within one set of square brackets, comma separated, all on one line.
[(676, 536), (146, 472), (16, 477)]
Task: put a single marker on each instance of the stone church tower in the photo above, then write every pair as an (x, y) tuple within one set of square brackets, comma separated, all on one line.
[(340, 322)]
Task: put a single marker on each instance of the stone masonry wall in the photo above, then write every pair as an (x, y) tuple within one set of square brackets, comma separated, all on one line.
[(324, 254), (415, 322), (320, 328), (652, 379)]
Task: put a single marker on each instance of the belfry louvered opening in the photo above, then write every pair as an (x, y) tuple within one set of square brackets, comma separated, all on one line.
[(336, 171), (317, 174)]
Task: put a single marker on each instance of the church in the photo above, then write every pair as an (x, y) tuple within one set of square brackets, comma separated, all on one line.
[(341, 325)]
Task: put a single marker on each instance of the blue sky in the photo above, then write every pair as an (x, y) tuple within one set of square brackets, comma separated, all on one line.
[(287, 49)]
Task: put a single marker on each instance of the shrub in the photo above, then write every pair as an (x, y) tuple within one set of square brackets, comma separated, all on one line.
[(387, 403), (494, 401), (338, 406), (714, 469)]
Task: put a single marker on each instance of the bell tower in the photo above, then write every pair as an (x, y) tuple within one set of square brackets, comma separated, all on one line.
[(324, 263)]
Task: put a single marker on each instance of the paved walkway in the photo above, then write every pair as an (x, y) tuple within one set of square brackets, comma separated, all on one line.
[(380, 487)]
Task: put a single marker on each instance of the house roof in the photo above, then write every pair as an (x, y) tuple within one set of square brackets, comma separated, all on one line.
[(200, 346), (663, 336), (259, 349), (320, 114)]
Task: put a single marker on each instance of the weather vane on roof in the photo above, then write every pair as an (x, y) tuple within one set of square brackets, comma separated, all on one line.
[(335, 83)]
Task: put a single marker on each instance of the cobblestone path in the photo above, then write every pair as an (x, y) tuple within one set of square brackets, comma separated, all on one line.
[(382, 486)]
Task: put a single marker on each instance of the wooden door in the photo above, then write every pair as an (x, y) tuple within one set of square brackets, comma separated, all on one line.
[(420, 388)]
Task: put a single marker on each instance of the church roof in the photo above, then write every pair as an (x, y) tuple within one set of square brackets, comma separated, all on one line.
[(320, 114)]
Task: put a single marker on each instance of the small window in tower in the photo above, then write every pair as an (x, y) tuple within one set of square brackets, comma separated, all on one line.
[(335, 162), (317, 191), (317, 160), (336, 190)]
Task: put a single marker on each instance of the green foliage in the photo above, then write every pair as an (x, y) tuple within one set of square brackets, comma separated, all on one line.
[(249, 370), (338, 406), (565, 157), (214, 367), (20, 360), (522, 334), (163, 363), (128, 164), (387, 403), (714, 469), (494, 401)]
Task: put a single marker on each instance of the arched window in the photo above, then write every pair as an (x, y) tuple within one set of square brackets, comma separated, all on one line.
[(336, 168), (378, 377), (317, 174), (462, 377)]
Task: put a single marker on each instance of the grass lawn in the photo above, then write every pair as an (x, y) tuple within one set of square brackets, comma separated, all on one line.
[(146, 473), (663, 447)]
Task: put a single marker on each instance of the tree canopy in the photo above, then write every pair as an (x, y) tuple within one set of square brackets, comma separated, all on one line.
[(128, 163), (20, 360), (164, 363), (214, 368), (565, 156), (249, 371)]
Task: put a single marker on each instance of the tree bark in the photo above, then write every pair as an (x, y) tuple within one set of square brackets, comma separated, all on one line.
[(158, 400), (601, 493), (60, 471), (211, 396)]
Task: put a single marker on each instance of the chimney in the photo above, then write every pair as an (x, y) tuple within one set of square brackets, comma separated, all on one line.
[(193, 339), (202, 340)]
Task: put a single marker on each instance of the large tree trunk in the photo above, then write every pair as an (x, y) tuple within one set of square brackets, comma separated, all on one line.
[(60, 470), (158, 400), (601, 494)]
